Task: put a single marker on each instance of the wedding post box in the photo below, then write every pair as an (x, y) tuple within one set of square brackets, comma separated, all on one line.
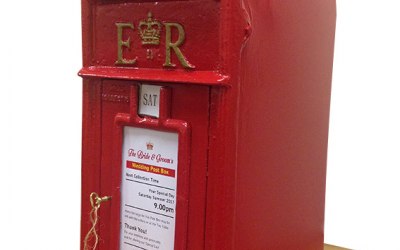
[(205, 123)]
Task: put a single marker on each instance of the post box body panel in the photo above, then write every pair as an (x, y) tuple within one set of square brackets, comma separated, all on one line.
[(112, 98), (283, 126), (251, 81)]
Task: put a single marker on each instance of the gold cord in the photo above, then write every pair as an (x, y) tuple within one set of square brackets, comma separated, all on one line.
[(95, 202)]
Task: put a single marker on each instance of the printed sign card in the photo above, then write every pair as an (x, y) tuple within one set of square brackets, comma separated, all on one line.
[(148, 189)]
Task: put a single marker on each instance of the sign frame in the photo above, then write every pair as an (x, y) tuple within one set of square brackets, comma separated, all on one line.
[(166, 124)]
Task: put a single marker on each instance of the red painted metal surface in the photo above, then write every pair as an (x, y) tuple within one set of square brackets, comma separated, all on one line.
[(257, 103), (115, 96)]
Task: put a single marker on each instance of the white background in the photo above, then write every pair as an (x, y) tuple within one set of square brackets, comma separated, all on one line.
[(40, 126), (363, 189)]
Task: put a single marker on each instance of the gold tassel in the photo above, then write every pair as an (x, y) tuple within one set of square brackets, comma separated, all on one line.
[(95, 201)]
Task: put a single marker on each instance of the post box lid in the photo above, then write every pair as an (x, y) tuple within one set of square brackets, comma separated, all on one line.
[(166, 41)]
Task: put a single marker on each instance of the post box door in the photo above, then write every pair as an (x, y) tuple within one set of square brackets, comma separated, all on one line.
[(188, 104)]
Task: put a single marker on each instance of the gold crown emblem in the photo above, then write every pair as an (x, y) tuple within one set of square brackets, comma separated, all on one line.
[(149, 146), (150, 30)]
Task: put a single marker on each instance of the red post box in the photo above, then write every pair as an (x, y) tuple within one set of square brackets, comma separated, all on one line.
[(205, 123)]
